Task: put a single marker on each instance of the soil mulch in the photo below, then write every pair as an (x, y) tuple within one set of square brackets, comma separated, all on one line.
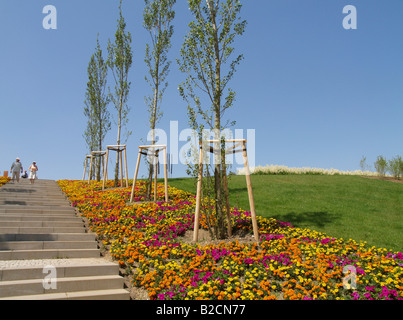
[(391, 179)]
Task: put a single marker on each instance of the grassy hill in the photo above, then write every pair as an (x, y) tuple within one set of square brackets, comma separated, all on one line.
[(341, 206)]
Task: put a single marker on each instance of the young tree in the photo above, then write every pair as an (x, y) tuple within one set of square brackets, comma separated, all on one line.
[(158, 16), (363, 164), (96, 104), (205, 58), (395, 166), (120, 58), (381, 165), (90, 131)]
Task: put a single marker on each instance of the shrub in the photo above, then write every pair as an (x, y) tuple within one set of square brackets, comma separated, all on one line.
[(395, 167), (363, 164), (381, 165)]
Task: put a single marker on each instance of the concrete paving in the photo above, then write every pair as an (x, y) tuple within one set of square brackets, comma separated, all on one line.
[(45, 251)]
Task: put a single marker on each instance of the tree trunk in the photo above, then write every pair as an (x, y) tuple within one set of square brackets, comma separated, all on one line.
[(118, 143), (99, 162), (217, 127), (153, 123)]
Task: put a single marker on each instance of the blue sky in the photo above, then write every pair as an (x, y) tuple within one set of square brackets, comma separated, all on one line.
[(316, 95)]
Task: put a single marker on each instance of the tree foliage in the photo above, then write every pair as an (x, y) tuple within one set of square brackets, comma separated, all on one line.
[(120, 58), (158, 16), (96, 105), (206, 59), (381, 165)]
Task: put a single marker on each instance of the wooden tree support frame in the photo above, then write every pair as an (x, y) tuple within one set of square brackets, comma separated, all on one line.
[(236, 143), (121, 149), (143, 150), (85, 165), (96, 154)]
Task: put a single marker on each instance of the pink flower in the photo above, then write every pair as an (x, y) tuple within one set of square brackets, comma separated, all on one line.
[(355, 295)]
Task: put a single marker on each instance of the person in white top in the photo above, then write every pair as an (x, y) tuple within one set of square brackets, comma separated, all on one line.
[(33, 172), (16, 169)]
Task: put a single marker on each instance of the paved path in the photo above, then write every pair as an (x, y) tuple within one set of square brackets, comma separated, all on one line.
[(45, 250)]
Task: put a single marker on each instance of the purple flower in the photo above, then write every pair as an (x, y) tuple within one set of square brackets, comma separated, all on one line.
[(372, 289), (367, 295), (355, 295)]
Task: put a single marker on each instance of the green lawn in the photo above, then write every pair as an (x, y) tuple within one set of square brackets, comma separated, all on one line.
[(340, 206)]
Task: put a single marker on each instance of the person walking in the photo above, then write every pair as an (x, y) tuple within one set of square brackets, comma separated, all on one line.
[(16, 169), (33, 172)]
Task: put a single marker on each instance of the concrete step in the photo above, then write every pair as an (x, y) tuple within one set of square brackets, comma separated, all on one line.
[(35, 207), (25, 216), (40, 224), (48, 237), (35, 210), (32, 192), (48, 254), (22, 270), (39, 245), (4, 193), (114, 294), (46, 230), (63, 285), (39, 227), (28, 202), (26, 190), (39, 217)]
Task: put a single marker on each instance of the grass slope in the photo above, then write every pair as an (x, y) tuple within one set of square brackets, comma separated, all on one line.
[(341, 206)]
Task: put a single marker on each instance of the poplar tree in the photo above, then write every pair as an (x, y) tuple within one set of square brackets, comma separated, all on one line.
[(158, 16), (96, 106), (205, 58), (120, 58)]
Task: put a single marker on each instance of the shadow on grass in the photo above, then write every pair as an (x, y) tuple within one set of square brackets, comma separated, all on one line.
[(308, 219), (240, 190)]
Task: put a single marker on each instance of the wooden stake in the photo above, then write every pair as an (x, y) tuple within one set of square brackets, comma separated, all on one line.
[(165, 175), (225, 182), (85, 167), (89, 175), (153, 146), (106, 169), (127, 174), (229, 224), (155, 175), (121, 167), (103, 163), (119, 150), (198, 196), (250, 193), (135, 176), (156, 151)]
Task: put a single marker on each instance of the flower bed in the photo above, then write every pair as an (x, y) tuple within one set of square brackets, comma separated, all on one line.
[(289, 263), (4, 180)]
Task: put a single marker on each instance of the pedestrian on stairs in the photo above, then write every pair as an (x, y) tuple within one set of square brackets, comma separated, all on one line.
[(16, 169), (33, 172)]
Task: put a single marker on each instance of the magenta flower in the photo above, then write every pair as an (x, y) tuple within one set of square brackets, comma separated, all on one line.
[(355, 295)]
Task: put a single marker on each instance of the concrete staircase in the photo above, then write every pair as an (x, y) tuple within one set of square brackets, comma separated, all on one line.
[(45, 251)]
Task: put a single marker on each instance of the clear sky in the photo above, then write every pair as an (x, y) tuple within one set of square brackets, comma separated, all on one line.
[(316, 94)]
